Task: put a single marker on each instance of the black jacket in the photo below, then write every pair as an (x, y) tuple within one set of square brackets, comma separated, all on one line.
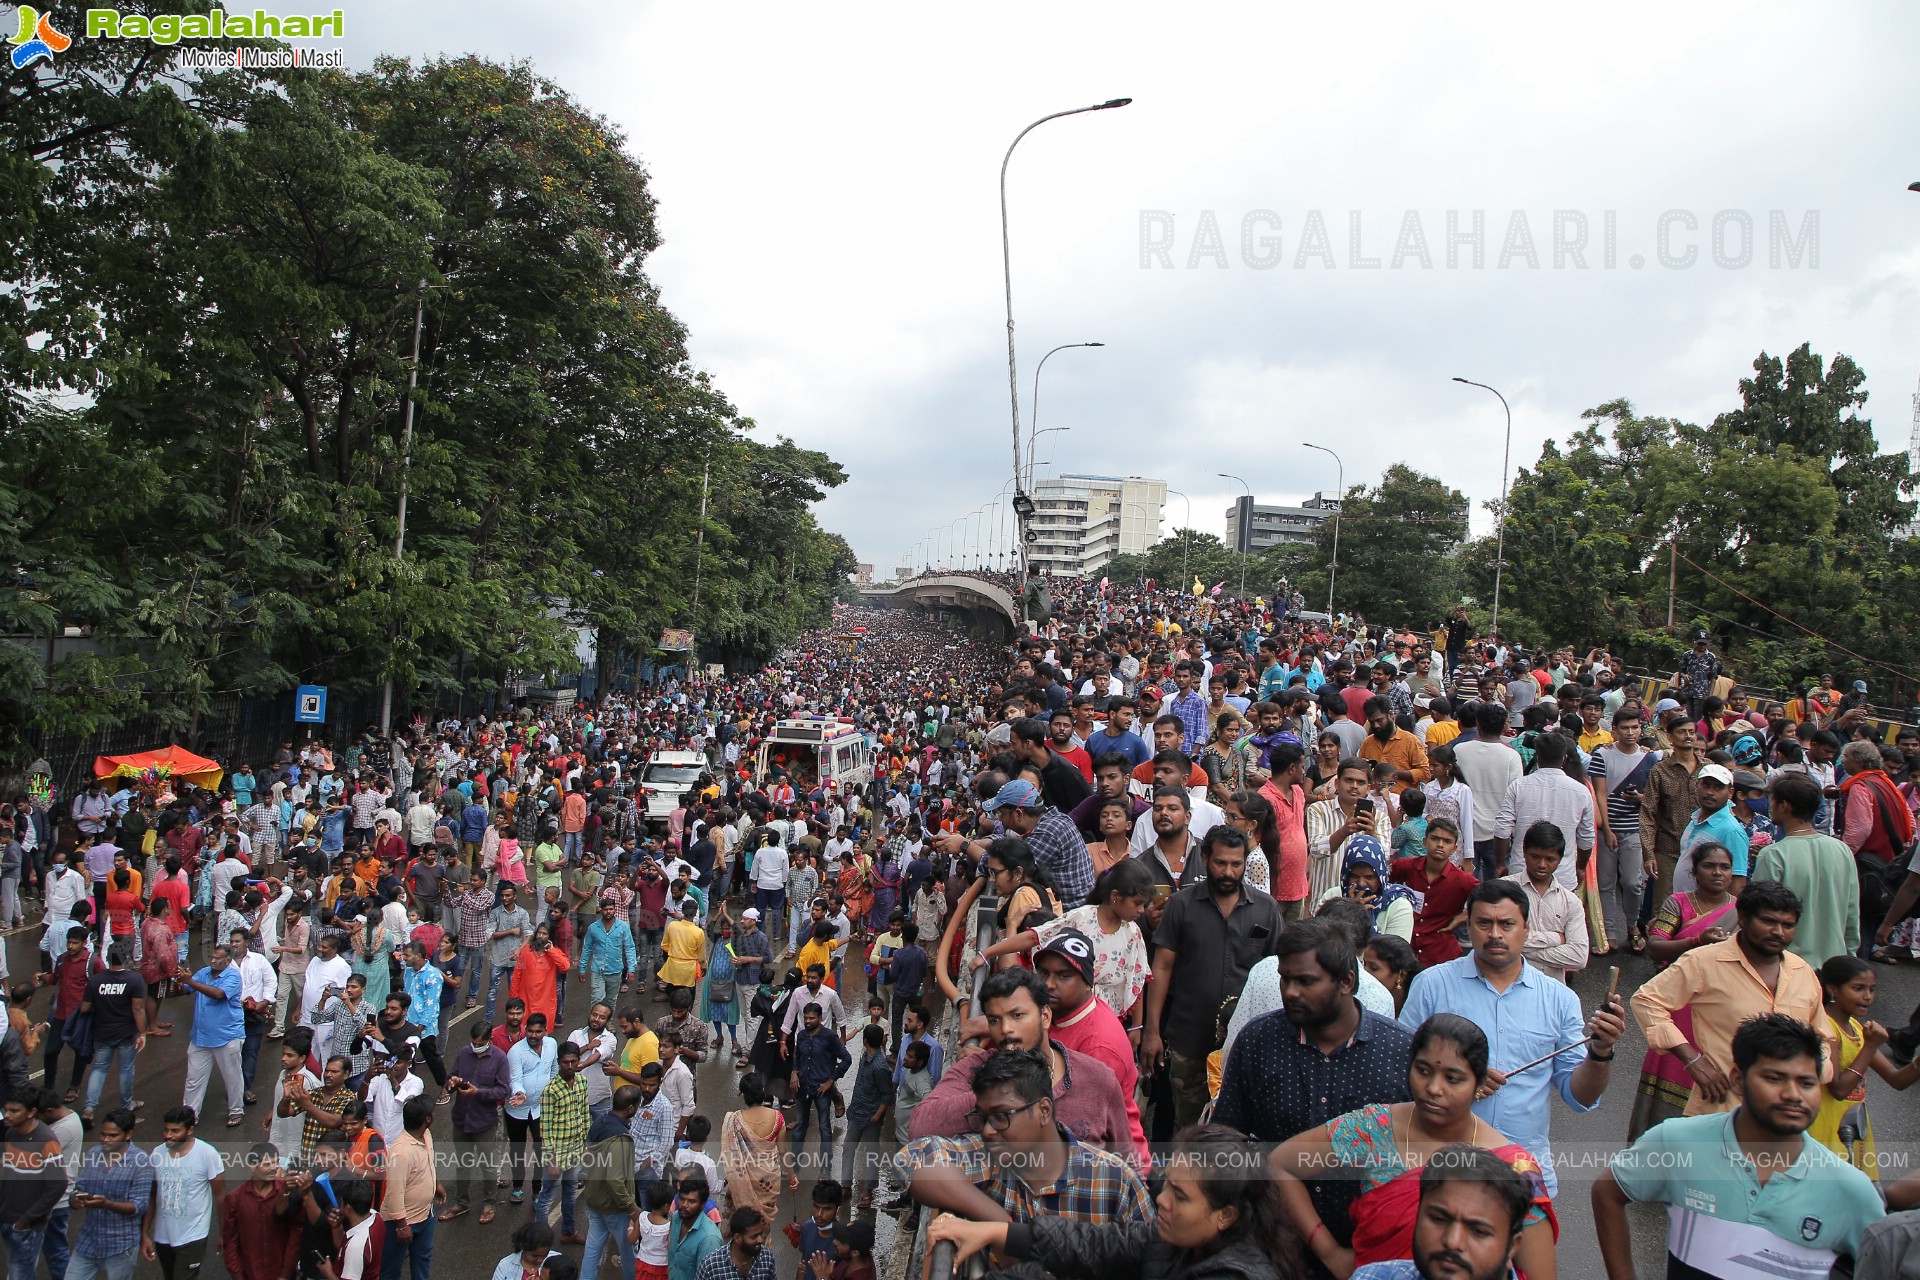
[(1133, 1251)]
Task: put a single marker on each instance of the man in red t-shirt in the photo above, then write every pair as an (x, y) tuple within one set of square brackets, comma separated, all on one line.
[(1083, 1023), (1440, 888), (1060, 738)]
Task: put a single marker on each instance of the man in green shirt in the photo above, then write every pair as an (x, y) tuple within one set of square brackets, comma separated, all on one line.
[(1749, 1194), (1819, 869)]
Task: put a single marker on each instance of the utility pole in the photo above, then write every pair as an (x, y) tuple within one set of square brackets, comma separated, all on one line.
[(1673, 576), (406, 465)]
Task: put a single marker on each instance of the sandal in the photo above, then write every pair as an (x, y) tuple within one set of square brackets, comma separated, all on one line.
[(73, 1096), (486, 1214), (1637, 942), (449, 1214)]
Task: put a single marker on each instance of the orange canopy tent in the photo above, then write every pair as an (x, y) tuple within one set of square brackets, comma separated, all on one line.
[(175, 762)]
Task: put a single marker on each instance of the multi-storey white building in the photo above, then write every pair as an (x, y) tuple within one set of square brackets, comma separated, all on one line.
[(1083, 521)]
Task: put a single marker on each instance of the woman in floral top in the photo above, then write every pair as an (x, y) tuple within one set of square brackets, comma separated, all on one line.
[(1110, 918)]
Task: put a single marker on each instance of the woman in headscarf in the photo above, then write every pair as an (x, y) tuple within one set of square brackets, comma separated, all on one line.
[(1363, 877)]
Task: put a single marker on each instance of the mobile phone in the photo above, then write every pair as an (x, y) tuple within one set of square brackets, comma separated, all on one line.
[(1363, 805)]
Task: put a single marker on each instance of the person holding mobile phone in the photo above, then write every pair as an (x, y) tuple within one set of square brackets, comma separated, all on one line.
[(1331, 823), (115, 1187)]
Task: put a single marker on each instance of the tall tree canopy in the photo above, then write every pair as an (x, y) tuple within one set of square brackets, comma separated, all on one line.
[(206, 332), (1779, 527)]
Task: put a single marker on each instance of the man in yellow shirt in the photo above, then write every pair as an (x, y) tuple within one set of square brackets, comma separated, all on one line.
[(685, 945), (642, 1047)]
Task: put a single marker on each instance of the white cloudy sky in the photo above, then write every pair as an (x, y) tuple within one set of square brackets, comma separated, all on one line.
[(827, 181)]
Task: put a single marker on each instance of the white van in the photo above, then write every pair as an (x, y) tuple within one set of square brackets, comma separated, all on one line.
[(666, 780), (813, 749)]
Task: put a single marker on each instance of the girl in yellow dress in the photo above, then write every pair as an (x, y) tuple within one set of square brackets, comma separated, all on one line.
[(1848, 984)]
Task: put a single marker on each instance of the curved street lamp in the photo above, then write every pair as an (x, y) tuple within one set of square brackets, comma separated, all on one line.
[(1246, 534), (1006, 271), (1333, 569), (1500, 539), (1033, 420)]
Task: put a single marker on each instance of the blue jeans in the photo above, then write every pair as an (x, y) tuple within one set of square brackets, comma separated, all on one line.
[(473, 960), (646, 945), (769, 902), (604, 988), (105, 1055), (117, 1267), (416, 1253), (604, 1229), (567, 1186), (806, 1109), (573, 845), (55, 1246), (23, 1251), (499, 973)]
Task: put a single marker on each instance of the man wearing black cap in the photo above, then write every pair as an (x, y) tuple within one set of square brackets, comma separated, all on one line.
[(1082, 1022)]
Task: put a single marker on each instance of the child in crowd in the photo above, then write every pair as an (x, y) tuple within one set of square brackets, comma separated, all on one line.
[(1410, 837), (692, 1154), (651, 1232)]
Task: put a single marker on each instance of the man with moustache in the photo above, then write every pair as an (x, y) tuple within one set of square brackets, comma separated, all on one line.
[(1748, 1192), (1472, 1207), (1017, 1013), (1321, 1055), (1210, 935), (1526, 1015)]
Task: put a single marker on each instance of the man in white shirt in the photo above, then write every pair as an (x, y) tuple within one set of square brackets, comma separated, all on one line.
[(387, 1094), (259, 988), (326, 972), (1548, 794), (676, 1085), (598, 1046), (1488, 766), (65, 887)]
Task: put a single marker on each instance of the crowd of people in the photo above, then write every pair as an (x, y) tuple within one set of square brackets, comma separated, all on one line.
[(1184, 935)]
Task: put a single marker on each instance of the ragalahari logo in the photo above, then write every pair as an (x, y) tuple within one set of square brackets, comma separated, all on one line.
[(36, 38)]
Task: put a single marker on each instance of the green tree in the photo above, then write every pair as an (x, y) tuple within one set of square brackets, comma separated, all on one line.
[(1397, 543)]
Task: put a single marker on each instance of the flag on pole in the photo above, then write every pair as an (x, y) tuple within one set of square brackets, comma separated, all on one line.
[(1103, 586)]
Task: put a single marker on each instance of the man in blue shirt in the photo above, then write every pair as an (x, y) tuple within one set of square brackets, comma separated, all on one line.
[(219, 1032), (819, 1059), (1712, 820), (1525, 1014), (1118, 737), (607, 955), (531, 1063), (114, 1187)]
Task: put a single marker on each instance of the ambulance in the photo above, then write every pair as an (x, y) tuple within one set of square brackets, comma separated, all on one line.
[(812, 750)]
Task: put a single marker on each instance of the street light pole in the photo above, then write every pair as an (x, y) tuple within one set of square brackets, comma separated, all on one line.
[(1006, 271), (1500, 539), (1186, 536), (1034, 417), (1333, 569), (1246, 533), (406, 466)]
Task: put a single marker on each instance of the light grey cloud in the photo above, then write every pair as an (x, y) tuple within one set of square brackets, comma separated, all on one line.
[(827, 179)]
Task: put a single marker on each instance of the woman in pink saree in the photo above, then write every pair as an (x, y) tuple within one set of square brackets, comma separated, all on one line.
[(1683, 922)]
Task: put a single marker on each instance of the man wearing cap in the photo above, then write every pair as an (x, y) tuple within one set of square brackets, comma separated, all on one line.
[(1017, 1014), (1698, 670), (1712, 820), (1056, 843), (1084, 1023)]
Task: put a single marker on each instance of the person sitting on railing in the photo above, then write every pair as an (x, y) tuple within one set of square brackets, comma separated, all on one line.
[(1018, 1163), (1219, 1219), (1018, 1013)]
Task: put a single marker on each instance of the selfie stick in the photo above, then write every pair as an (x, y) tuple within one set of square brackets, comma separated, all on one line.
[(1613, 986)]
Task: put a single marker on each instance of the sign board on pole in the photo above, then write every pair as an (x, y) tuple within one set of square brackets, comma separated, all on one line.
[(310, 704)]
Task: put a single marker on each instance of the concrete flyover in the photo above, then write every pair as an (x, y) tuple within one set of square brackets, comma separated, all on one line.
[(986, 608)]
